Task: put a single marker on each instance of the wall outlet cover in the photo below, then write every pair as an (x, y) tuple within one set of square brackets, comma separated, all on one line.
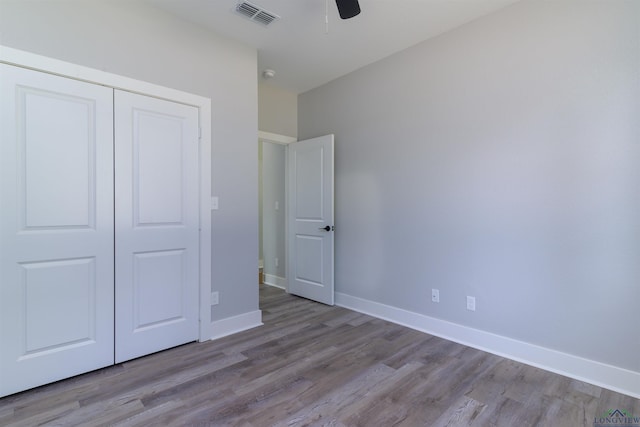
[(471, 303)]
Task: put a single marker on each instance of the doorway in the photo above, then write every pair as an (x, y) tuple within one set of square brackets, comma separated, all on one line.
[(295, 198), (272, 173)]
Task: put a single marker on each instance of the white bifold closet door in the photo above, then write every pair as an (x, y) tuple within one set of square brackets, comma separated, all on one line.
[(99, 227), (157, 219), (56, 228)]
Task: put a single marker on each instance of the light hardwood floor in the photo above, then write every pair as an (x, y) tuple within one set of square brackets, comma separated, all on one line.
[(314, 365)]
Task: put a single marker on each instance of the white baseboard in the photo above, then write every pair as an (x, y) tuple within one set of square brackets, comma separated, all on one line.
[(276, 281), (597, 373), (235, 324)]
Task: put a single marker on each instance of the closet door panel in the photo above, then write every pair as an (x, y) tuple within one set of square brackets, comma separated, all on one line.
[(56, 228), (156, 224)]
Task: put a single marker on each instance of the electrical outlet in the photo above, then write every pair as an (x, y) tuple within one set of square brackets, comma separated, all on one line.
[(277, 262), (471, 303), (435, 295), (215, 298)]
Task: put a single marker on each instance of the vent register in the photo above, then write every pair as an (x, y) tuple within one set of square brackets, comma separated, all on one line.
[(256, 13)]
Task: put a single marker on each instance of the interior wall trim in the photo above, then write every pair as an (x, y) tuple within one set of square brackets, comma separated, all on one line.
[(576, 367), (275, 138), (275, 281), (235, 324)]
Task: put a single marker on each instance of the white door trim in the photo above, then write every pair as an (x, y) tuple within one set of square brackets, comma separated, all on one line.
[(276, 138), (54, 66)]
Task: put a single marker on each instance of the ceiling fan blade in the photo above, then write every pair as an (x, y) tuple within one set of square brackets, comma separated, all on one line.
[(348, 8)]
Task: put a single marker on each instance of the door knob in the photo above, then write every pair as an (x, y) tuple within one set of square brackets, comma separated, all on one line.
[(327, 228)]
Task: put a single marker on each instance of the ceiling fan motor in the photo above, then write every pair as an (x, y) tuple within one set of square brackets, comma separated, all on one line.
[(348, 8)]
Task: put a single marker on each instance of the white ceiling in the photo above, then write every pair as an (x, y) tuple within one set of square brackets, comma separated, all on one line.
[(300, 52)]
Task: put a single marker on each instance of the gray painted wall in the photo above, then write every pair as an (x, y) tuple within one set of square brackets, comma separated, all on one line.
[(499, 160), (273, 221), (277, 110), (141, 42)]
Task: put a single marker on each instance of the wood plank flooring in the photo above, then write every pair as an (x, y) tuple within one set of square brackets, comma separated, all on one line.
[(314, 365)]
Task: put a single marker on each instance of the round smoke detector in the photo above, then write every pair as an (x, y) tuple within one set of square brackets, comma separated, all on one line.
[(268, 73)]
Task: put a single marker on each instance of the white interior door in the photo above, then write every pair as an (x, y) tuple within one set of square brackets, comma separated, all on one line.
[(56, 228), (157, 220), (310, 219)]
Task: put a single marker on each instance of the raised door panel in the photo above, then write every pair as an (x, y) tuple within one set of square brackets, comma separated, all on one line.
[(56, 228), (156, 225), (309, 184)]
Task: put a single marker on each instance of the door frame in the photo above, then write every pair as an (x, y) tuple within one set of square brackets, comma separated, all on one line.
[(49, 65), (282, 140)]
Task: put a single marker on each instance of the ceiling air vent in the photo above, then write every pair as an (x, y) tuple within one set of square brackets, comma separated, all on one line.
[(256, 13)]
